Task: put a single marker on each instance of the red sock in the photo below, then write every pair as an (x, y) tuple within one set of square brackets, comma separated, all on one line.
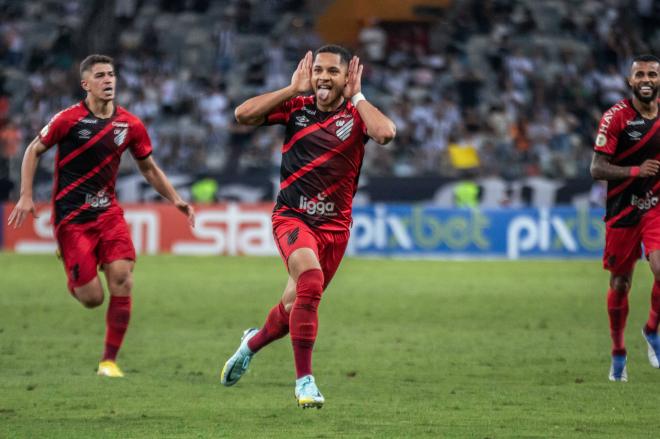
[(654, 314), (275, 327), (303, 321), (617, 308), (117, 318)]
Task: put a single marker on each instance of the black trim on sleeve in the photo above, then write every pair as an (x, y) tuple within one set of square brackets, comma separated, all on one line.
[(145, 157)]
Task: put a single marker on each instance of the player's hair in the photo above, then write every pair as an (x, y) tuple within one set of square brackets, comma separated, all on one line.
[(343, 53), (647, 57), (89, 62)]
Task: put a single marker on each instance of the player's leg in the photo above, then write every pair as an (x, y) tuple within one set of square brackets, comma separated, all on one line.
[(331, 248), (622, 250), (276, 325), (117, 255), (650, 330), (77, 244), (651, 238)]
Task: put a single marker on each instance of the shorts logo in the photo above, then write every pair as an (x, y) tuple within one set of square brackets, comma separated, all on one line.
[(75, 272), (344, 128), (120, 135), (293, 236)]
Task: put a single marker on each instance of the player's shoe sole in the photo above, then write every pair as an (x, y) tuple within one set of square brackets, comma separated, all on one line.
[(653, 348), (238, 363), (618, 369), (109, 369), (307, 394)]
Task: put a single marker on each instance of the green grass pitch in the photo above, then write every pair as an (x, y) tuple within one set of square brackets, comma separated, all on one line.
[(406, 349)]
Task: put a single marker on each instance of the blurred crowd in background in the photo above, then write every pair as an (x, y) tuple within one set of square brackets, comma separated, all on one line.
[(479, 87)]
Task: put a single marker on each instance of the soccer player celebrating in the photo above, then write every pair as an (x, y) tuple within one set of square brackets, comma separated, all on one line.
[(627, 154), (89, 224), (321, 160)]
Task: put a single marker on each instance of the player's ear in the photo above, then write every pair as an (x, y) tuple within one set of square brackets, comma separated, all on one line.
[(84, 85)]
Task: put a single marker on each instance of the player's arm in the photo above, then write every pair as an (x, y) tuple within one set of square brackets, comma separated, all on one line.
[(159, 181), (255, 110), (379, 127), (602, 168), (25, 203)]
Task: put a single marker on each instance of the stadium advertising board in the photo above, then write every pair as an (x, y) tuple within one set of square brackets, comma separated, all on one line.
[(378, 230)]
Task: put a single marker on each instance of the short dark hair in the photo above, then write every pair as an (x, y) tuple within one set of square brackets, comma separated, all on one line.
[(88, 62), (343, 53), (647, 57)]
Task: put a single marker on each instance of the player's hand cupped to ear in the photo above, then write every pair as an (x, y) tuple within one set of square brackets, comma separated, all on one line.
[(354, 80)]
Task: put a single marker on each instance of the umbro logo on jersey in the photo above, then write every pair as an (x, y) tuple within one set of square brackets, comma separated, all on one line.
[(302, 121), (344, 128), (120, 135), (84, 134), (635, 134)]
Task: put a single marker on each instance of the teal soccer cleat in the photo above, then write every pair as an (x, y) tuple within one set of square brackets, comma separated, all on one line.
[(653, 343), (618, 370), (307, 394), (238, 363)]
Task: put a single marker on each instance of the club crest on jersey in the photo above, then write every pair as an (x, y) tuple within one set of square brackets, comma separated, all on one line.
[(120, 135), (344, 128)]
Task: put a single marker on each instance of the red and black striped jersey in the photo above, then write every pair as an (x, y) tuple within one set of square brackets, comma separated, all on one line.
[(321, 159), (629, 139), (89, 150)]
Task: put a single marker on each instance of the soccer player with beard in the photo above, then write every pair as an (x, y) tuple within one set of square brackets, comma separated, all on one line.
[(89, 225), (321, 160), (627, 155)]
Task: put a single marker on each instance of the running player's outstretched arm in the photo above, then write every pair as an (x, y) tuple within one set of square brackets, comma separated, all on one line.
[(158, 180), (25, 203), (254, 110), (379, 127), (602, 169)]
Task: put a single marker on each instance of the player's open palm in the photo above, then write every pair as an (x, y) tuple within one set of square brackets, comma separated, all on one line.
[(354, 80), (302, 76), (23, 208), (649, 168)]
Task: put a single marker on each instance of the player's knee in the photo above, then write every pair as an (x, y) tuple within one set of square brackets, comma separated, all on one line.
[(91, 300), (121, 282), (620, 284), (310, 284)]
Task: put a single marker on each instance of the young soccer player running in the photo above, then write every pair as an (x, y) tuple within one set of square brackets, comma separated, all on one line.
[(321, 160), (89, 223), (627, 154)]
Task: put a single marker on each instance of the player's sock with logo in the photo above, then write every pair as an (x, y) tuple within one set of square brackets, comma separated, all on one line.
[(303, 322), (654, 315), (617, 308), (275, 327), (117, 318)]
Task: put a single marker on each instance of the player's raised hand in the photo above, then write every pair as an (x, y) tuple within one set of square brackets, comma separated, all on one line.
[(23, 208), (301, 80), (354, 80), (649, 168), (187, 210)]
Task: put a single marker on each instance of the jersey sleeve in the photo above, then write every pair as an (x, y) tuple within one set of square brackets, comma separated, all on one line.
[(607, 138), (280, 114), (55, 130), (140, 145)]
